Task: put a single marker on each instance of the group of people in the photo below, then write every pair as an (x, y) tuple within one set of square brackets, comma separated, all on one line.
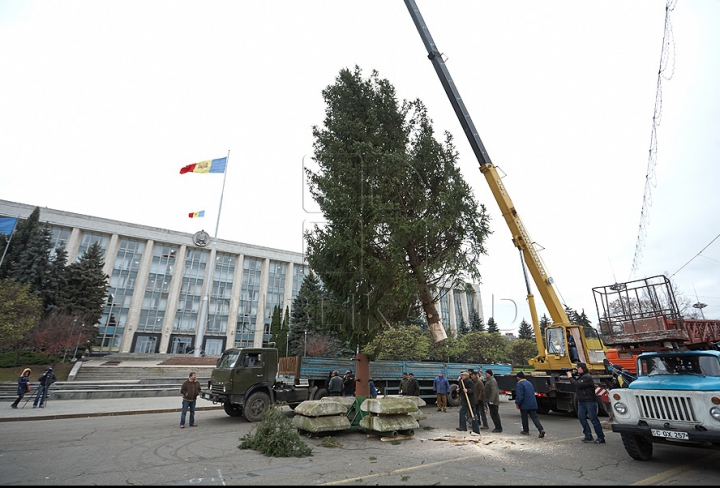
[(475, 396), (24, 386), (345, 385)]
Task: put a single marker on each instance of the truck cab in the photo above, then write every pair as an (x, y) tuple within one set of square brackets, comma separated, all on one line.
[(674, 400), (245, 382)]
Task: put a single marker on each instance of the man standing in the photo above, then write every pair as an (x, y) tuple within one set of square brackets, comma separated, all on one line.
[(479, 398), (403, 385), (441, 388), (413, 386), (492, 396), (45, 380), (467, 402), (335, 385), (526, 402), (349, 383), (587, 403), (189, 390)]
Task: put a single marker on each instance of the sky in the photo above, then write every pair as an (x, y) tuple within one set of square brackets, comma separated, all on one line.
[(102, 103)]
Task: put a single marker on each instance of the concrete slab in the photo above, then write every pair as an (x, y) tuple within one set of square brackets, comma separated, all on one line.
[(389, 423), (389, 405), (321, 424), (319, 408)]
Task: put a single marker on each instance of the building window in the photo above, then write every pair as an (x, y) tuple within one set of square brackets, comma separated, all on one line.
[(89, 239), (275, 294), (191, 290), (457, 297), (219, 308), (248, 306), (120, 290), (157, 289), (444, 309)]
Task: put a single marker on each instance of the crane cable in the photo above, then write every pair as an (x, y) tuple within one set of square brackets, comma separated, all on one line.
[(650, 181), (698, 254)]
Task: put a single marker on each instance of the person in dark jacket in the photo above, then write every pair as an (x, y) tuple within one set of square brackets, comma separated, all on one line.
[(22, 388), (189, 390), (587, 403), (467, 402), (413, 386), (402, 390), (479, 398), (349, 383), (373, 389), (492, 397), (335, 385), (526, 402), (441, 388), (45, 380)]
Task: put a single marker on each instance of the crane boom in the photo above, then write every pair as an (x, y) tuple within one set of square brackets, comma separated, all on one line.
[(520, 236)]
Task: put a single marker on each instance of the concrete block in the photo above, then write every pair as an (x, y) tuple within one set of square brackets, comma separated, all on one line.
[(418, 401), (321, 424), (389, 405), (418, 415), (320, 408), (389, 423), (343, 400)]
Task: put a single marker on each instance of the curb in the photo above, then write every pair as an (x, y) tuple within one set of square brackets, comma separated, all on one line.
[(102, 414)]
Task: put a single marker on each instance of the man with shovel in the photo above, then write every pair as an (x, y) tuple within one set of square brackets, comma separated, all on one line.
[(467, 402)]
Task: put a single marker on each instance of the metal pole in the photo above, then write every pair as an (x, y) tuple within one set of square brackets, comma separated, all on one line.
[(202, 318)]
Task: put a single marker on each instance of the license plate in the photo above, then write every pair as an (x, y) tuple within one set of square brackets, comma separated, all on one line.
[(670, 434)]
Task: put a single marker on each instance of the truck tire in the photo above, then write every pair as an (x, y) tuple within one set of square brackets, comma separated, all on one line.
[(322, 392), (453, 397), (637, 447), (256, 405), (232, 410), (543, 406)]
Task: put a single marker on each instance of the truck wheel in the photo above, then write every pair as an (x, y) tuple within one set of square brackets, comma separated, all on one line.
[(453, 397), (543, 407), (256, 406), (322, 392), (232, 410), (637, 447)]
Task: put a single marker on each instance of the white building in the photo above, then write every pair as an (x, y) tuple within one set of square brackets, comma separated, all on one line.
[(156, 284)]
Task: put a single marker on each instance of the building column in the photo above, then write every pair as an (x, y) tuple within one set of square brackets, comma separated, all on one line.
[(234, 301), (262, 300), (73, 244), (138, 295), (451, 309)]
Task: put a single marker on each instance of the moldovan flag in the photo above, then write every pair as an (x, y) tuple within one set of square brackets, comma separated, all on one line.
[(209, 166), (194, 215)]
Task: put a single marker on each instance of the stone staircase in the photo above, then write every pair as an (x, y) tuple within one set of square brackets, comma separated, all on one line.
[(123, 376)]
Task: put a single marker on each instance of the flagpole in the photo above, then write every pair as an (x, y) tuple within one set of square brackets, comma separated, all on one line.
[(202, 318)]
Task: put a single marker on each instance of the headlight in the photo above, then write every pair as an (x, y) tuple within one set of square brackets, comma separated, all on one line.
[(715, 412), (620, 408)]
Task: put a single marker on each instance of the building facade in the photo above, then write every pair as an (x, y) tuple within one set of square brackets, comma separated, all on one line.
[(157, 279)]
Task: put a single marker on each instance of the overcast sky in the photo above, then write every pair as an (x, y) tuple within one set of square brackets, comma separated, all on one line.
[(102, 103)]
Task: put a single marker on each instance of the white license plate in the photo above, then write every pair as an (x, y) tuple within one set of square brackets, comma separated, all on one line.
[(670, 434)]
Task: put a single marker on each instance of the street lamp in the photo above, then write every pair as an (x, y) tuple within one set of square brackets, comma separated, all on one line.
[(78, 343), (700, 306), (305, 347)]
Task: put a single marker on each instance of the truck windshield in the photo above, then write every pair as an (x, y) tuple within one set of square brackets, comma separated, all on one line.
[(677, 365), (228, 359)]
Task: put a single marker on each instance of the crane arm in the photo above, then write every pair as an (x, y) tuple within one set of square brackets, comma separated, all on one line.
[(520, 236)]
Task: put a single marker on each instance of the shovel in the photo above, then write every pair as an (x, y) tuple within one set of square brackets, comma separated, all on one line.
[(475, 423)]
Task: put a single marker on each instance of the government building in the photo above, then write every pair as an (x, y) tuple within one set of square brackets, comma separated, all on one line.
[(156, 285)]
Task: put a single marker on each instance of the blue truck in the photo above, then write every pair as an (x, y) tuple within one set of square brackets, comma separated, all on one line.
[(675, 400)]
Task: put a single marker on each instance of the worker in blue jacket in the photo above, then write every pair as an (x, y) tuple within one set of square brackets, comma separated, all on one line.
[(527, 404), (441, 388)]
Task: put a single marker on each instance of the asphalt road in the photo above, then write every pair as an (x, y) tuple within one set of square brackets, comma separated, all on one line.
[(150, 449)]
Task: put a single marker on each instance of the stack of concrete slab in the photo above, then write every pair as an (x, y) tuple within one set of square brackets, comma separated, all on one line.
[(321, 416), (389, 415)]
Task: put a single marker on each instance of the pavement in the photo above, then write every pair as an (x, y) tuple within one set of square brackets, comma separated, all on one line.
[(61, 409)]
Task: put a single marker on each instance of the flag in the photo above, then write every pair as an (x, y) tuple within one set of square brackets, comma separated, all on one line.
[(7, 225), (194, 215), (209, 166)]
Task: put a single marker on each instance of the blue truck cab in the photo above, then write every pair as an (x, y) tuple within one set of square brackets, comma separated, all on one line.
[(675, 400)]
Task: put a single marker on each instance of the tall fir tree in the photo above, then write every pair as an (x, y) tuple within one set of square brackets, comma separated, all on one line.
[(525, 331), (24, 231), (492, 326), (477, 324), (87, 285), (32, 265), (545, 321), (307, 313)]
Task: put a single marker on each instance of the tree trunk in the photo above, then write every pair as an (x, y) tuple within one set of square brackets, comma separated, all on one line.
[(436, 328)]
